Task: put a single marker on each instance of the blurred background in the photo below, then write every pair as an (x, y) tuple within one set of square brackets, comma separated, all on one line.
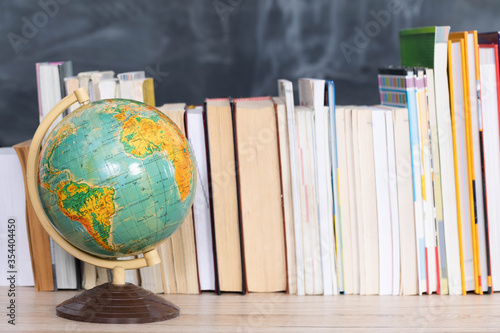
[(199, 49)]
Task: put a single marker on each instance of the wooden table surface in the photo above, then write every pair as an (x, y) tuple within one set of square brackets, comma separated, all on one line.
[(35, 312)]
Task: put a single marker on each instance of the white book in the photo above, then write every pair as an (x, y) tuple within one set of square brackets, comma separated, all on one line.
[(285, 89), (393, 195), (476, 124), (445, 140), (344, 193), (380, 154), (426, 183), (438, 188), (50, 91), (107, 88), (84, 82), (129, 90), (95, 79), (331, 228), (334, 166), (309, 212), (312, 95), (355, 204), (16, 258), (195, 129), (366, 201), (490, 108)]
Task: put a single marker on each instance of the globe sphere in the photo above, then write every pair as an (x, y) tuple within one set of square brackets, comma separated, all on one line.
[(116, 178)]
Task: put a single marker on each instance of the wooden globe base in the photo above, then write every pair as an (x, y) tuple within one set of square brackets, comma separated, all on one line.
[(117, 304)]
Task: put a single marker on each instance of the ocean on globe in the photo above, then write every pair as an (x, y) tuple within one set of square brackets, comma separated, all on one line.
[(116, 177)]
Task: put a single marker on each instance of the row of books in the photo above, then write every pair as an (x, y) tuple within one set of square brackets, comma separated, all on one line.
[(323, 199)]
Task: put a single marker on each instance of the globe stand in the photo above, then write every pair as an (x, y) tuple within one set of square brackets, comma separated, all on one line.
[(110, 303), (118, 303)]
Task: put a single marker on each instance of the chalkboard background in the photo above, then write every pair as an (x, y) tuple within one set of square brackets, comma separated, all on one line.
[(199, 49)]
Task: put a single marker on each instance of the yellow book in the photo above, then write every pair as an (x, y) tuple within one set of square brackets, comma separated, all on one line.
[(460, 111), (148, 91), (469, 82)]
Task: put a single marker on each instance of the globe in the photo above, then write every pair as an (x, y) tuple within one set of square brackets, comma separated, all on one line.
[(116, 177)]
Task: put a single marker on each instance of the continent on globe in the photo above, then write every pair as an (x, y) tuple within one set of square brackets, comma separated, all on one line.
[(142, 137), (91, 206)]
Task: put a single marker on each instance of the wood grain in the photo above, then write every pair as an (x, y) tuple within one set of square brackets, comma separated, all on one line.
[(278, 312)]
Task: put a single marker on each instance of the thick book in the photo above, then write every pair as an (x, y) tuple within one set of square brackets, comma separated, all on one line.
[(427, 47), (223, 196), (259, 183), (195, 130)]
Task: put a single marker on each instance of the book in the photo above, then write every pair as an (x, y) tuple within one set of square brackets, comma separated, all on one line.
[(51, 89), (70, 85), (337, 218), (347, 191), (488, 39), (428, 47), (286, 193), (489, 80), (223, 197), (195, 129), (309, 224), (460, 108), (384, 223), (127, 88), (182, 242), (38, 238), (312, 95), (409, 283), (285, 89), (438, 192), (366, 200), (387, 201), (16, 260), (431, 252), (473, 113), (259, 183), (397, 89)]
